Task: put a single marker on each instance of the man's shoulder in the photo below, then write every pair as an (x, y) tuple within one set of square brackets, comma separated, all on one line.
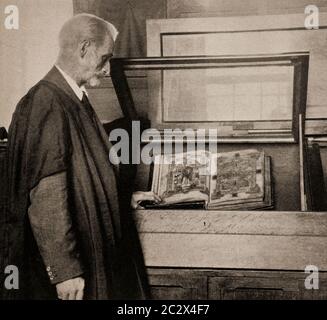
[(41, 90), (45, 87), (44, 95), (38, 104)]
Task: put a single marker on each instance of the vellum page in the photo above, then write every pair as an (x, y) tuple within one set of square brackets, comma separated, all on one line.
[(252, 204), (182, 177), (237, 177), (242, 93)]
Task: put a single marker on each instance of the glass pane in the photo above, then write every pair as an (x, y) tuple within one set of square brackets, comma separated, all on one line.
[(245, 93)]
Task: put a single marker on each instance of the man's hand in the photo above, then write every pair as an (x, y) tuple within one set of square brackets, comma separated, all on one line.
[(139, 196), (72, 289)]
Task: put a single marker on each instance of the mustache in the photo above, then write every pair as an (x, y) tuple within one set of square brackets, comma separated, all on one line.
[(100, 74)]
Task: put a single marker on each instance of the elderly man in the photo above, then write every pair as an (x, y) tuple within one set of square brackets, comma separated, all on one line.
[(69, 232)]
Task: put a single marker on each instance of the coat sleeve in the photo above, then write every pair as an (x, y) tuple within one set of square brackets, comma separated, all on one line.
[(52, 228), (47, 154)]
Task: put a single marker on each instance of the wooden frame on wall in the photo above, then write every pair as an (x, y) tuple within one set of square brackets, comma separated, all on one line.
[(266, 34)]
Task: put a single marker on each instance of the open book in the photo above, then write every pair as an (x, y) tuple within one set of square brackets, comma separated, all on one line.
[(238, 180)]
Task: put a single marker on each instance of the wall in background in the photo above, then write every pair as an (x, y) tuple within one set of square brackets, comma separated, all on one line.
[(225, 8), (28, 53), (130, 16)]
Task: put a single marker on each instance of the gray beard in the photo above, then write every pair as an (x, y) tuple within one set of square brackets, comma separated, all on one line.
[(94, 82)]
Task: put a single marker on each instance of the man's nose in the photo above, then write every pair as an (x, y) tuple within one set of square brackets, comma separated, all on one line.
[(106, 69)]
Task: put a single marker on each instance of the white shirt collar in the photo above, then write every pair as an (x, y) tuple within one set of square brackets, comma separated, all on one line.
[(72, 83)]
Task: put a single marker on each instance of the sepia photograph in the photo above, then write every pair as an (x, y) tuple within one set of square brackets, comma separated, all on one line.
[(163, 150)]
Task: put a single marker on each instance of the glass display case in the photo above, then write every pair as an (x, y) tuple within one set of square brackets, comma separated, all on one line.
[(245, 98), (237, 102)]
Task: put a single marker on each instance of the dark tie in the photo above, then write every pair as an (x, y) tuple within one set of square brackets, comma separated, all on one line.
[(88, 107)]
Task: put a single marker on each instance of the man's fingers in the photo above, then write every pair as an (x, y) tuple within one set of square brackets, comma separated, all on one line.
[(157, 198), (63, 296), (72, 295), (146, 195), (80, 294), (70, 289), (152, 196), (80, 291)]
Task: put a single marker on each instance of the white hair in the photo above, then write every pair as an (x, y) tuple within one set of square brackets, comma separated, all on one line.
[(83, 27), (114, 32)]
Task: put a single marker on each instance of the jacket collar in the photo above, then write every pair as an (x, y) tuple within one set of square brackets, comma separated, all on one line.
[(55, 77), (79, 91)]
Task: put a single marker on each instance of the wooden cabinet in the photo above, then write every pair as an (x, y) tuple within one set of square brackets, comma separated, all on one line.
[(177, 285), (240, 254), (188, 252), (251, 285), (194, 284), (198, 254)]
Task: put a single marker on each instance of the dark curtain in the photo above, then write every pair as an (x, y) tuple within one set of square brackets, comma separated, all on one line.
[(129, 17)]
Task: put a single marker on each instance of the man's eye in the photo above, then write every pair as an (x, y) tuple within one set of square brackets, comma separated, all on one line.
[(105, 59)]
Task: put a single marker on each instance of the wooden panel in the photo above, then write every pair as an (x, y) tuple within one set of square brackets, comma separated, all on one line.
[(222, 284), (249, 289), (217, 8), (241, 284), (232, 222), (278, 286), (316, 127), (234, 251), (177, 285)]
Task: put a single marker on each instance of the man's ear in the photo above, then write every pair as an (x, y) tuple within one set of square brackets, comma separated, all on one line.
[(83, 47)]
